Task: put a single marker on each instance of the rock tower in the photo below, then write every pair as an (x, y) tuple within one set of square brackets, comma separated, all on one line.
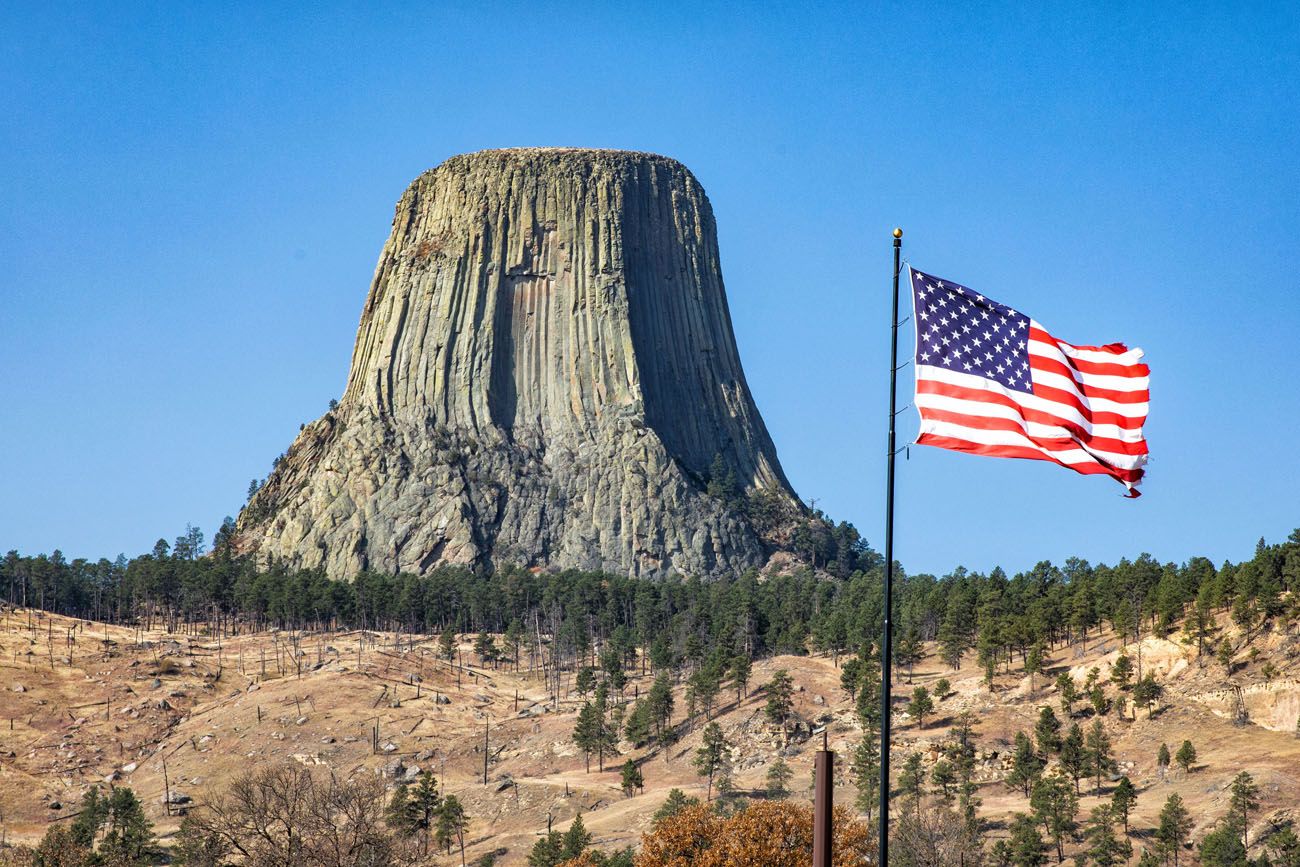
[(545, 374)]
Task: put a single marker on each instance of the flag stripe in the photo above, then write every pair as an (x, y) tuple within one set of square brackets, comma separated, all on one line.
[(956, 399), (1041, 358), (1102, 368), (958, 444), (1071, 456), (978, 416), (1046, 375), (978, 388)]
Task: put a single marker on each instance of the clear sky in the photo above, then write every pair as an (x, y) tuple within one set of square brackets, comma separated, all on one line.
[(193, 204)]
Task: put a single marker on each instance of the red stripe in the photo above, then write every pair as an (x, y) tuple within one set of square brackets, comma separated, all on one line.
[(1090, 468), (1103, 368), (1051, 365), (1069, 398), (934, 386), (984, 422)]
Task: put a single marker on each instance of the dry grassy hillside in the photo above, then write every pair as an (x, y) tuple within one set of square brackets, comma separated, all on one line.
[(83, 703)]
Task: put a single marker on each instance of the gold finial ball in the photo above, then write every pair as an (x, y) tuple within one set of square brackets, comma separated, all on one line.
[(898, 233)]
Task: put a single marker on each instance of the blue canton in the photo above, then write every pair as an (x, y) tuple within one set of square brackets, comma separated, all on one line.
[(960, 330)]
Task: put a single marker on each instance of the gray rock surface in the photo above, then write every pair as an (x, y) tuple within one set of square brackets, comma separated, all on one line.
[(543, 374)]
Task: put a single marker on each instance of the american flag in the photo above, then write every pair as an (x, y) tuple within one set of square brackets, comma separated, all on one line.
[(992, 381)]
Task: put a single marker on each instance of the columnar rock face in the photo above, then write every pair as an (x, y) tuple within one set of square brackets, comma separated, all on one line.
[(544, 375)]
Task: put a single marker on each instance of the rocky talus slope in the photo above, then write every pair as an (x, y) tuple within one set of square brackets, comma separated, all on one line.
[(544, 372)]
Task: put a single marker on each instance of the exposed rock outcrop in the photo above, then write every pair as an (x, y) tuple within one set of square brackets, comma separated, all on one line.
[(544, 374)]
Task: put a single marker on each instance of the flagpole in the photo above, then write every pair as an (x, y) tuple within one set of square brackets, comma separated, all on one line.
[(886, 642)]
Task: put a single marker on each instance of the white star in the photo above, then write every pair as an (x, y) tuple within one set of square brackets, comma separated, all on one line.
[(924, 314), (979, 298), (966, 364), (984, 314), (965, 329), (946, 341), (1001, 368), (988, 356), (988, 335), (925, 356)]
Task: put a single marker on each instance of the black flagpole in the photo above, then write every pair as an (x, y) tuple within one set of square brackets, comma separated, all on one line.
[(886, 642)]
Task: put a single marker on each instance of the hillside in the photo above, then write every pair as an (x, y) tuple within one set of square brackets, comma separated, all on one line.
[(86, 702)]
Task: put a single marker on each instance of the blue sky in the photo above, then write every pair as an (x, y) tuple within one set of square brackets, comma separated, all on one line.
[(194, 203)]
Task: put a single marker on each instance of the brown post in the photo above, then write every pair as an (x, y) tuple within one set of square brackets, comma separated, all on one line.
[(823, 802)]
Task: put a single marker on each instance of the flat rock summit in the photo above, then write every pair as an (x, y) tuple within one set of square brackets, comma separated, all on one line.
[(545, 374)]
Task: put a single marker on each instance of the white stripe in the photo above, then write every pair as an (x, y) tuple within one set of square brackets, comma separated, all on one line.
[(997, 410), (1032, 432), (1101, 404), (1096, 380), (1004, 438), (1132, 356), (1061, 410)]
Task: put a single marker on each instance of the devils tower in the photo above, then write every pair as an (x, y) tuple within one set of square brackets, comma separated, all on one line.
[(545, 374)]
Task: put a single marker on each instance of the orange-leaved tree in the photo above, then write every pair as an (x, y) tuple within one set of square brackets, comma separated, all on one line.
[(764, 834)]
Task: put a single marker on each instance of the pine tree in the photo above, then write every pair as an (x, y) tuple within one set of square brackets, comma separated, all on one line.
[(1162, 759), (676, 801), (1069, 694), (1026, 767), (1104, 848), (851, 677), (423, 807), (1054, 802), (911, 781), (576, 839), (1186, 756), (585, 681), (1034, 662), (778, 778), (1027, 848), (866, 773), (452, 824), (631, 778), (637, 726), (1121, 671), (1224, 655), (447, 644), (1175, 825), (944, 778), (1047, 731), (129, 835), (94, 813), (711, 757), (921, 705), (1123, 800), (1074, 755), (604, 729), (486, 648), (741, 669), (1245, 798), (780, 697), (586, 730), (1147, 693), (1100, 760), (660, 701)]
